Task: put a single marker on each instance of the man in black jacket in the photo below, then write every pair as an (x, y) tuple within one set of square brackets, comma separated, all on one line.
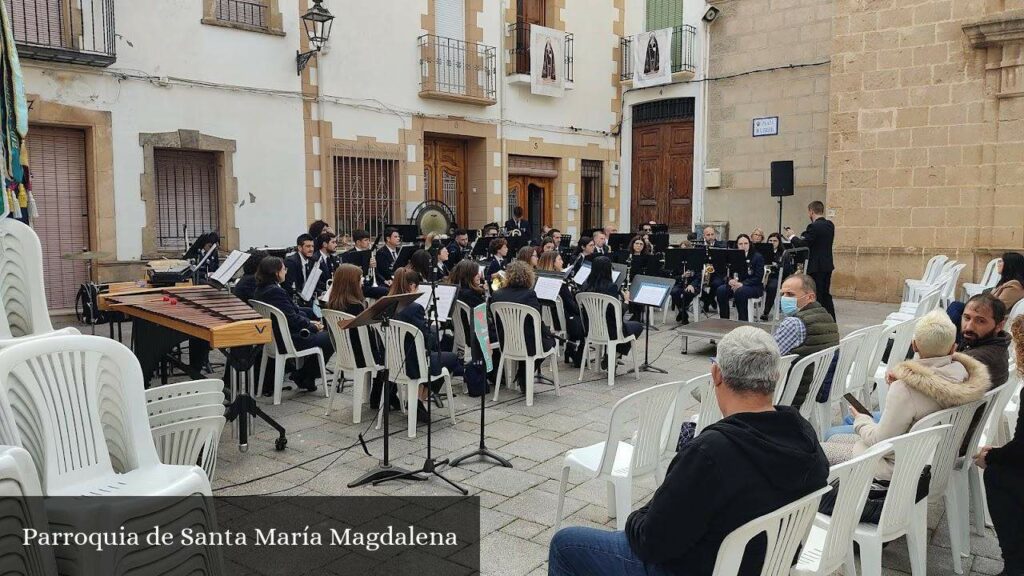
[(983, 337), (387, 256), (516, 222), (818, 239), (298, 265), (757, 459)]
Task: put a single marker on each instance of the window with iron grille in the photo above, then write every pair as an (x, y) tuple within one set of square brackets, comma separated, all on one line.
[(248, 12), (365, 193), (187, 194), (663, 110), (593, 198)]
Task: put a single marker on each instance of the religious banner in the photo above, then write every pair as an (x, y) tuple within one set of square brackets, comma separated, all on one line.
[(547, 61), (652, 58)]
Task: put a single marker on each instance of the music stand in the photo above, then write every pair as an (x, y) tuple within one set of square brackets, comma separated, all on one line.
[(408, 232), (766, 251), (381, 312), (359, 258), (659, 241), (675, 260), (620, 241), (659, 229), (404, 254), (651, 292), (515, 243), (481, 248)]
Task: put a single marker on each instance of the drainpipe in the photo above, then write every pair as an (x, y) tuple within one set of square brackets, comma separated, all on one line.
[(705, 69), (324, 202), (501, 107)]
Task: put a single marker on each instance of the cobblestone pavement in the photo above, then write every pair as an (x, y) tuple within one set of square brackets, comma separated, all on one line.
[(323, 456)]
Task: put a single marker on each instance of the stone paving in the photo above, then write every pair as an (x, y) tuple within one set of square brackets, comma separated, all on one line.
[(324, 455)]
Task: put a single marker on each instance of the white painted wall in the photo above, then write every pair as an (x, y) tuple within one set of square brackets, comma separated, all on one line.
[(166, 39)]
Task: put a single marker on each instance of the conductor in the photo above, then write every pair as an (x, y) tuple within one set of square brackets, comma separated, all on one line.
[(818, 238)]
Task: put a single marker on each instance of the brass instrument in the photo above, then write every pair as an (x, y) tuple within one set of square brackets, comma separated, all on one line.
[(516, 232)]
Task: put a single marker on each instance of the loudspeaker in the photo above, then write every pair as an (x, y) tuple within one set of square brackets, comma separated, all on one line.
[(782, 178)]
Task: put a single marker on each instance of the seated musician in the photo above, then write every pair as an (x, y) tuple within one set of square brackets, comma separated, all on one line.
[(318, 227), (546, 245), (439, 257), (245, 288), (491, 230), (466, 275), (387, 256), (363, 241), (519, 281), (584, 251), (516, 222), (527, 255), (306, 332), (406, 281), (326, 247), (776, 265), (551, 261), (637, 247), (757, 236), (745, 284), (499, 251), (459, 247), (601, 247), (600, 281), (420, 262), (716, 278), (298, 265), (556, 237), (347, 297)]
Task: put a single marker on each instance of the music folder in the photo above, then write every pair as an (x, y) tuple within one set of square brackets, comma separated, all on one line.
[(359, 258), (384, 307), (311, 281), (232, 264), (650, 290), (446, 294), (548, 285)]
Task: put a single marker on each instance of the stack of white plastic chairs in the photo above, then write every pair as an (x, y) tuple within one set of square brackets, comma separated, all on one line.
[(922, 297), (989, 279), (23, 312), (21, 508), (186, 420)]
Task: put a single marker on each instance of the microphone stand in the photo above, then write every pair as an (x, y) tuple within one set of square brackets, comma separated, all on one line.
[(430, 464)]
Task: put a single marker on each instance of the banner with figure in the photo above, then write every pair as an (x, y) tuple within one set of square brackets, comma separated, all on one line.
[(652, 58), (547, 61)]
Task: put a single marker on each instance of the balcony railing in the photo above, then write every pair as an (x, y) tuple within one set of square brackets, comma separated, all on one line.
[(248, 12), (72, 31), (519, 51), (683, 56), (457, 70)]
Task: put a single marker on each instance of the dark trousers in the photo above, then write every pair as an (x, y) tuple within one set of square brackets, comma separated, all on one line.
[(310, 367), (1004, 488), (769, 294), (682, 299), (629, 327), (823, 283), (742, 295)]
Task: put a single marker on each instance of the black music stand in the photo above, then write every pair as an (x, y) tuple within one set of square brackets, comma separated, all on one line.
[(240, 362), (408, 232), (620, 241), (359, 258), (404, 254), (381, 312), (481, 247), (661, 288)]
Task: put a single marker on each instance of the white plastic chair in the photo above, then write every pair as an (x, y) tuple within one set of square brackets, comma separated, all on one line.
[(848, 353), (830, 542), (785, 529), (989, 279), (556, 322), (936, 267), (901, 514), (189, 435), (393, 337), (946, 454), (460, 332), (23, 509), (864, 365), (180, 395), (593, 306), (902, 336), (272, 350), (511, 320), (1014, 312), (641, 417), (684, 397), (346, 363), (819, 363), (909, 310), (61, 398), (23, 311)]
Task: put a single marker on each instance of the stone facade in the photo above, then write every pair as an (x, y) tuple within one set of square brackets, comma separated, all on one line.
[(926, 147), (758, 36)]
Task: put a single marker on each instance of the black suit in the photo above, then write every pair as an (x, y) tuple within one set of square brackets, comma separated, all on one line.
[(523, 226), (385, 264), (414, 314), (818, 238), (328, 264), (495, 265), (298, 320), (298, 269), (752, 278)]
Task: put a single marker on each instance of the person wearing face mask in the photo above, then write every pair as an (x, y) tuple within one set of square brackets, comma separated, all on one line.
[(807, 328)]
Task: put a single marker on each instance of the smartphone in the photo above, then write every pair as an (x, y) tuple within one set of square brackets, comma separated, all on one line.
[(852, 400)]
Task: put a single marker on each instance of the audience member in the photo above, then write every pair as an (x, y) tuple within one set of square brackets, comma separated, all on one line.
[(807, 328)]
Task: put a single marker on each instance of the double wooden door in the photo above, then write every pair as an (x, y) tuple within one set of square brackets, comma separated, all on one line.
[(444, 174), (662, 176), (534, 195)]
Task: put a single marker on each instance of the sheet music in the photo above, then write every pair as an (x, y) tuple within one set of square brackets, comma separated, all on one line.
[(326, 296), (446, 294), (310, 285), (615, 275), (230, 267), (547, 288), (582, 274), (483, 269), (650, 295)]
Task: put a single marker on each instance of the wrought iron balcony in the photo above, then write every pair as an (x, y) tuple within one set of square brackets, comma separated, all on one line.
[(75, 31), (246, 12), (683, 54), (456, 70), (519, 50)]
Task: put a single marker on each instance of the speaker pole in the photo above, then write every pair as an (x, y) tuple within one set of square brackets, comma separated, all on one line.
[(780, 215)]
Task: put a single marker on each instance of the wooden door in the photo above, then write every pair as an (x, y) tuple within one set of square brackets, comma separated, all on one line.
[(662, 174), (529, 192), (57, 157), (528, 12), (444, 174)]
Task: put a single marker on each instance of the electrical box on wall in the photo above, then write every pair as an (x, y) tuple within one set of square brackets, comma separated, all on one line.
[(713, 178)]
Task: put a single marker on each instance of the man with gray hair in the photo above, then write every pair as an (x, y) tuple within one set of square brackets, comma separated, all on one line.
[(756, 459)]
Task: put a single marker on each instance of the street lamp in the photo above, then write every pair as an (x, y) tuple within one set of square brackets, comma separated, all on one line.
[(317, 21)]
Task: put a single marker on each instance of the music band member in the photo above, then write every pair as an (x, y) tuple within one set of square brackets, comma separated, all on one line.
[(585, 251), (318, 227), (299, 265), (600, 281), (499, 251), (406, 281), (778, 271), (745, 284), (245, 288), (528, 256), (306, 332), (683, 293), (601, 247), (757, 236), (387, 256), (556, 237), (818, 238), (458, 248), (518, 289), (491, 230), (363, 241), (516, 222), (326, 246), (551, 261)]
